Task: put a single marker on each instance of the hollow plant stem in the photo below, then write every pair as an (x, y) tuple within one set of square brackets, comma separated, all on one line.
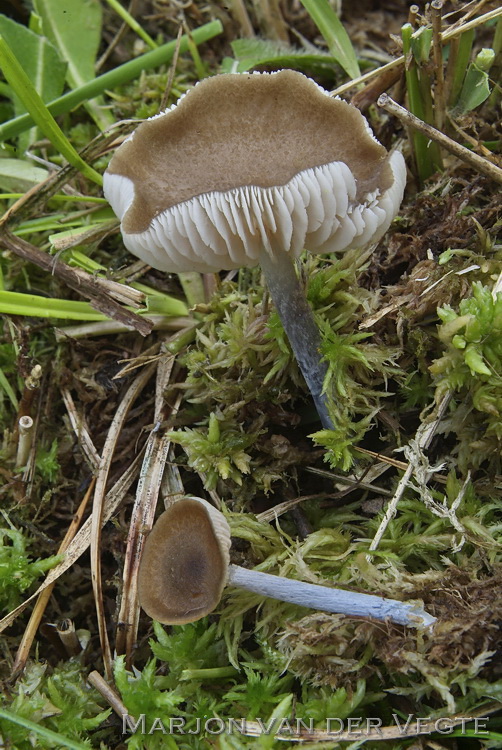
[(298, 320), (25, 426), (329, 599)]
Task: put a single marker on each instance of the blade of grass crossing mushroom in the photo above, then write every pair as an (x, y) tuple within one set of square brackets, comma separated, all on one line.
[(298, 320), (98, 502)]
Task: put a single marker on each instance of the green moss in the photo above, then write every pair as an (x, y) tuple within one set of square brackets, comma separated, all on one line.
[(17, 570), (57, 699)]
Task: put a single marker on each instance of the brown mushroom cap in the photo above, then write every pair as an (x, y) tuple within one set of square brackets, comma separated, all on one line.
[(185, 562), (246, 162)]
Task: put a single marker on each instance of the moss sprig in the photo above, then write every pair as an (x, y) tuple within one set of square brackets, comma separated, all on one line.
[(17, 569)]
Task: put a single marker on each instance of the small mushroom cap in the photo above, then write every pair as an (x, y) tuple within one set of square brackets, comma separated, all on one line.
[(247, 162), (185, 562)]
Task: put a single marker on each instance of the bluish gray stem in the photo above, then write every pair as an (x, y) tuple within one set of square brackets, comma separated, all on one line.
[(329, 599), (298, 320)]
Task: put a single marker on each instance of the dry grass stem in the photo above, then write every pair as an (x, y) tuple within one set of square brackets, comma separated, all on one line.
[(24, 441), (172, 488), (424, 435), (401, 465), (172, 71), (477, 162), (68, 637), (81, 431), (451, 33), (44, 596), (93, 234), (111, 697), (393, 732), (142, 516), (82, 282), (352, 481), (267, 516), (130, 396), (239, 12), (108, 327)]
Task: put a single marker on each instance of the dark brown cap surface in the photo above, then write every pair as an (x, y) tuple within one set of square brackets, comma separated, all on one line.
[(184, 565)]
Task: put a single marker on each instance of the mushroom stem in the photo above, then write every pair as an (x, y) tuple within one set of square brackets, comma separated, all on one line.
[(298, 320), (330, 599)]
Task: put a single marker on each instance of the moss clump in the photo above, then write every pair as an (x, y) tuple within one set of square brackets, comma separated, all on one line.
[(17, 569)]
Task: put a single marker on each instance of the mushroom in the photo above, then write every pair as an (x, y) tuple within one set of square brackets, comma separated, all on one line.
[(185, 562), (186, 565), (253, 168)]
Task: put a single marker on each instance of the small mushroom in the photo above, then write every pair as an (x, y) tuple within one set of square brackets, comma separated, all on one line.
[(253, 168), (186, 565), (185, 562)]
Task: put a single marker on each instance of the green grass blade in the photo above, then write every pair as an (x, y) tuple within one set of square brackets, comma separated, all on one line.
[(32, 305), (23, 87), (117, 77), (74, 27), (35, 306), (41, 63), (427, 156), (19, 175), (476, 88), (334, 34), (460, 53), (132, 23), (249, 53), (41, 731), (4, 383)]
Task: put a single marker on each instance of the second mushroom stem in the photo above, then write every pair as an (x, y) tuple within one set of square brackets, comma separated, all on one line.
[(297, 317), (327, 599)]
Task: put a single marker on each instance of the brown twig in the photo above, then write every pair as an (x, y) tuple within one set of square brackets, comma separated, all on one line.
[(370, 93), (451, 33), (477, 162), (97, 681), (43, 597), (79, 280)]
